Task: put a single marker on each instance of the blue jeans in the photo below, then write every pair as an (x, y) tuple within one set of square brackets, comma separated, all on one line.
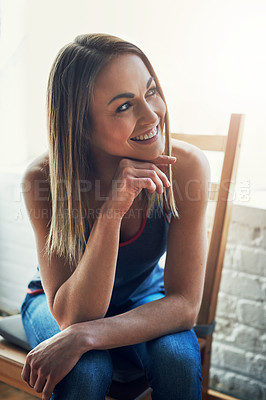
[(171, 363)]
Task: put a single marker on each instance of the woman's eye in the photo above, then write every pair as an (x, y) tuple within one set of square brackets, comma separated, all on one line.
[(124, 107), (152, 91)]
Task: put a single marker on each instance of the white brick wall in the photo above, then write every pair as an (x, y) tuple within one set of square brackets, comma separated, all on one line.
[(238, 365), (239, 346)]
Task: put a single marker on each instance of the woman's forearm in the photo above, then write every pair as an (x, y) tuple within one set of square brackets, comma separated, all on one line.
[(149, 321), (86, 294)]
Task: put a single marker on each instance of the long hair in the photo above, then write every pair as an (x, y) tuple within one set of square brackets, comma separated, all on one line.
[(69, 96)]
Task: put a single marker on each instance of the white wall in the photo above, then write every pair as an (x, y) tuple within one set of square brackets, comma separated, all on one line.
[(18, 259), (208, 54)]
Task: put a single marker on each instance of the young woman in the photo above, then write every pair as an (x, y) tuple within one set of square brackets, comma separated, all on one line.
[(105, 203)]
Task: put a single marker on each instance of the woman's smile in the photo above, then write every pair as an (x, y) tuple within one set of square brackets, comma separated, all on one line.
[(148, 137)]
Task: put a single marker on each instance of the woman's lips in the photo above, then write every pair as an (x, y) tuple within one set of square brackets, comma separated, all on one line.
[(152, 139)]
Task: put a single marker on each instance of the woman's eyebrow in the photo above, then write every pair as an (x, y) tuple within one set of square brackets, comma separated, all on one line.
[(129, 95), (149, 82), (122, 95)]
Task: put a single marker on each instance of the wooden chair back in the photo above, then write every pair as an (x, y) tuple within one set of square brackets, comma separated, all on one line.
[(219, 192)]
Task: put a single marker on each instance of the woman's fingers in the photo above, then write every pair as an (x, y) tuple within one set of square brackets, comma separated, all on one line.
[(163, 162), (33, 377), (25, 375), (143, 183), (159, 178), (163, 167), (164, 159), (152, 171), (40, 383), (47, 390), (158, 162)]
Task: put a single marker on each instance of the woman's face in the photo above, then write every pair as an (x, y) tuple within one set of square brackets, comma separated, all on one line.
[(127, 111)]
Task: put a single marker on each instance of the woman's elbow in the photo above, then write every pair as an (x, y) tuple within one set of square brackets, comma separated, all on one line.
[(68, 316), (190, 315), (188, 320), (65, 321)]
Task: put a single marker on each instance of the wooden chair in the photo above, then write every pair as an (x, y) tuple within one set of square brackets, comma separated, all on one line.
[(218, 232), (12, 358)]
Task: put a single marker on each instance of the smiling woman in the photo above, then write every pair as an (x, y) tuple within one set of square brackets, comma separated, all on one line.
[(102, 69), (99, 285)]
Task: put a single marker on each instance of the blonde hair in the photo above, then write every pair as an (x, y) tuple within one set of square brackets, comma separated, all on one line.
[(69, 95)]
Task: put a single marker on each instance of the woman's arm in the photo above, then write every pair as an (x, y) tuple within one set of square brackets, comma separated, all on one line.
[(184, 277), (85, 294)]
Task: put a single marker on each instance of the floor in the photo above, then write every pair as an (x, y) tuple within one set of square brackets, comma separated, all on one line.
[(9, 393)]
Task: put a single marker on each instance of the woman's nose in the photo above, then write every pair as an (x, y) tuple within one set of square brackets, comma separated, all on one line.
[(148, 115)]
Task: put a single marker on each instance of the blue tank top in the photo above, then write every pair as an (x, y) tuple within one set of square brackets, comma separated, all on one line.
[(138, 273)]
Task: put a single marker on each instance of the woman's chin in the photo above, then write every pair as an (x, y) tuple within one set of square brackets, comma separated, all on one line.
[(149, 153)]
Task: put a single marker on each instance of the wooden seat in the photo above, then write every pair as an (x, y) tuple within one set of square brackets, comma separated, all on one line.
[(12, 358)]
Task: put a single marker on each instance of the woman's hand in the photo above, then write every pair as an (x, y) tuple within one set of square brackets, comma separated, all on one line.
[(49, 362), (131, 177)]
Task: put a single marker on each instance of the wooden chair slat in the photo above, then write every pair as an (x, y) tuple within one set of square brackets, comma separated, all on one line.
[(221, 221), (213, 191), (204, 142)]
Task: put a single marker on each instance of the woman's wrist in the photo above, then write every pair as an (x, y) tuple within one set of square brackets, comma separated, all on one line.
[(81, 336), (110, 212)]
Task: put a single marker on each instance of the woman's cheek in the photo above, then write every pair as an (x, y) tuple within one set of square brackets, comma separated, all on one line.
[(161, 106), (125, 128)]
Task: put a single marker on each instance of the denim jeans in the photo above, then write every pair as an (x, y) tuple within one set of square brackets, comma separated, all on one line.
[(171, 363)]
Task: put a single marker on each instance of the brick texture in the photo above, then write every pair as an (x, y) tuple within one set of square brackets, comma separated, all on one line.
[(238, 364)]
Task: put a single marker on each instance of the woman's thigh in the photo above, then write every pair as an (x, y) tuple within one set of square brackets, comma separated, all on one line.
[(172, 365)]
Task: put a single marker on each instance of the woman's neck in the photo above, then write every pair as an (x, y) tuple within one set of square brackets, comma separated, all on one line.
[(105, 167)]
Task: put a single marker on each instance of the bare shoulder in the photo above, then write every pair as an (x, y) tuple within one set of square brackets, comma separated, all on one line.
[(188, 157), (36, 188), (191, 174), (38, 168)]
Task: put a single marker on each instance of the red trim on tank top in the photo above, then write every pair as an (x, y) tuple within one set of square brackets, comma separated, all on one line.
[(167, 216), (36, 291), (135, 237)]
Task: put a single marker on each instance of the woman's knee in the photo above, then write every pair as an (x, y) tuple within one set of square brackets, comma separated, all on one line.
[(89, 379)]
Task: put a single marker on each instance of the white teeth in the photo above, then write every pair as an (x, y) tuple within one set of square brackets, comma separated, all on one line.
[(147, 135)]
